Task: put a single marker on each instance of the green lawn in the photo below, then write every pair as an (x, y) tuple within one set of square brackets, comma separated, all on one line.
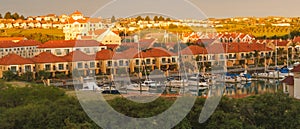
[(14, 31)]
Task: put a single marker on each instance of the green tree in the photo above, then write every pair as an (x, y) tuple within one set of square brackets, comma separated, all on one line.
[(113, 19), (22, 17), (27, 76), (161, 18), (7, 15), (147, 18), (138, 18), (42, 74), (155, 18), (15, 16), (9, 75)]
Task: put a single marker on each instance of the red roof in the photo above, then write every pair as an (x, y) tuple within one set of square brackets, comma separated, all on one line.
[(289, 80), (70, 44), (104, 55), (22, 43), (14, 59), (281, 43), (297, 39), (76, 12), (153, 52), (193, 50), (78, 56), (296, 69), (46, 57)]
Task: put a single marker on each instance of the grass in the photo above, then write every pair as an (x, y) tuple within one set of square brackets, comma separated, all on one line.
[(14, 31)]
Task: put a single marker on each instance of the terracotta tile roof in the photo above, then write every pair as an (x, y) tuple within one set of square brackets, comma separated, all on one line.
[(296, 69), (14, 59), (76, 13), (281, 43), (12, 38), (297, 39), (105, 55), (46, 57), (78, 56), (94, 20), (21, 43), (193, 50), (70, 44), (98, 31), (289, 80), (154, 52)]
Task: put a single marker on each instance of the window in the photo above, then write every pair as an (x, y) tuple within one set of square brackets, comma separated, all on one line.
[(67, 51), (137, 62), (58, 51), (109, 63), (13, 68), (27, 68), (79, 65), (153, 61), (60, 66), (163, 60), (148, 61), (92, 64), (121, 62), (127, 63), (87, 50), (47, 67), (173, 59), (115, 63)]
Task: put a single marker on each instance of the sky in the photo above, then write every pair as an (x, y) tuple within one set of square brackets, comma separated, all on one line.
[(196, 9)]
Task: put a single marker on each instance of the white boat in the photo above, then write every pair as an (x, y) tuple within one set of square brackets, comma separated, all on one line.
[(177, 83), (151, 83), (137, 87), (229, 79)]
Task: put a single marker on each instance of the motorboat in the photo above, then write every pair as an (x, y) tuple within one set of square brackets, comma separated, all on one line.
[(137, 87)]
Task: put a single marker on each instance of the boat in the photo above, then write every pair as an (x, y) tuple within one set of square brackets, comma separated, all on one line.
[(151, 83), (232, 78), (137, 87)]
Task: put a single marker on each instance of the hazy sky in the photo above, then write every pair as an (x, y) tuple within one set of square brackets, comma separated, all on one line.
[(174, 8)]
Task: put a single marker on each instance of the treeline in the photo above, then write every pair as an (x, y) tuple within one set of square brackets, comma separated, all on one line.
[(9, 15), (39, 37), (49, 107), (291, 35)]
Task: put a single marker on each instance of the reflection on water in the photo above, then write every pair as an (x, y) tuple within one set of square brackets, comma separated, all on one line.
[(235, 90), (252, 88)]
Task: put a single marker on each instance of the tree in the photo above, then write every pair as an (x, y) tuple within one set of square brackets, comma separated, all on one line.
[(15, 16), (155, 18), (139, 18), (147, 18), (22, 17), (161, 18), (43, 75), (0, 15), (27, 76), (113, 19), (9, 75), (7, 15), (168, 19)]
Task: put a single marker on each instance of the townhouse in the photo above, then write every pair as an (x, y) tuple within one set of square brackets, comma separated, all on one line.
[(64, 47), (24, 48), (77, 24), (16, 64)]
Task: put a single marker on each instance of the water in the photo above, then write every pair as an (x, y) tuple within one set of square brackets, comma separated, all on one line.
[(236, 90)]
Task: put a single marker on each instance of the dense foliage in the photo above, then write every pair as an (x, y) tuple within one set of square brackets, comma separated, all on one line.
[(48, 107)]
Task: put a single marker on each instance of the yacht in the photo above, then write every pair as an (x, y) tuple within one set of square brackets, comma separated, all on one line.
[(137, 87)]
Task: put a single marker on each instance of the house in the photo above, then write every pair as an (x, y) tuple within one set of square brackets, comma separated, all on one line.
[(50, 63), (15, 63), (104, 36), (24, 48), (77, 24), (291, 84), (64, 47), (81, 63)]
